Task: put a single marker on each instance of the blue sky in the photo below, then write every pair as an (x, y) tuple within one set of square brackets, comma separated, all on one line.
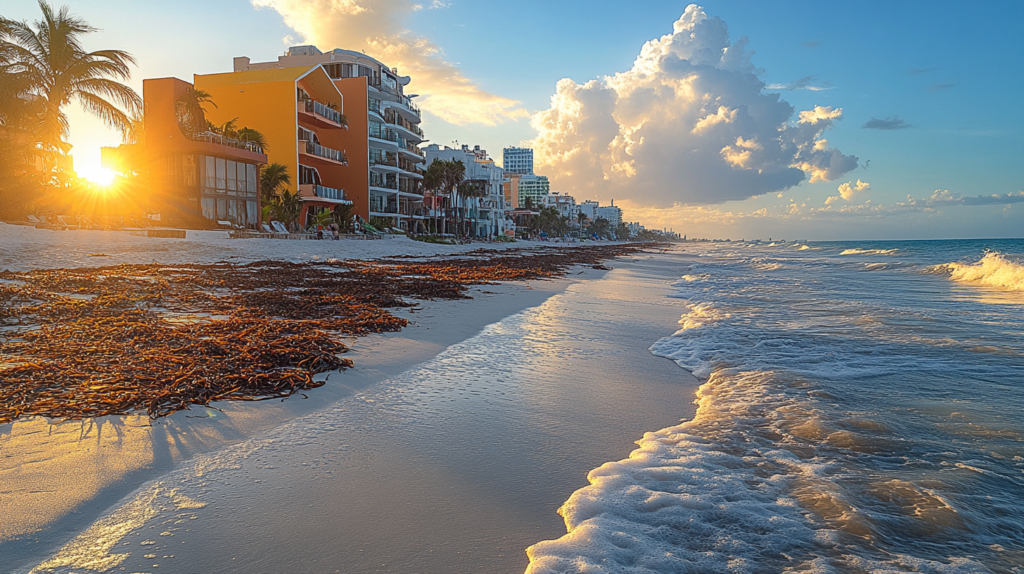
[(950, 71)]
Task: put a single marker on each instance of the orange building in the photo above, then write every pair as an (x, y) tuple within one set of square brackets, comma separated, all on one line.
[(194, 179), (300, 113), (382, 143)]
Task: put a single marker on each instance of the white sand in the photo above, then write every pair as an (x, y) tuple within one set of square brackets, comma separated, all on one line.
[(23, 247)]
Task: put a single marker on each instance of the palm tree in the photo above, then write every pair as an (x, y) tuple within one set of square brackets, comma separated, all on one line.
[(582, 217), (454, 173), (190, 111), (49, 52), (287, 208), (250, 135), (473, 189), (433, 181), (227, 129), (272, 179), (600, 227), (622, 232)]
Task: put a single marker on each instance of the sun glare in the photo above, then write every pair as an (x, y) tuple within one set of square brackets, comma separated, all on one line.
[(101, 176)]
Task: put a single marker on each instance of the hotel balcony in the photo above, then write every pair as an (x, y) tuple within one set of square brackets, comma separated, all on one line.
[(383, 183), (398, 121), (388, 137), (313, 192), (321, 115), (402, 104), (388, 162), (316, 150), (210, 137), (412, 150)]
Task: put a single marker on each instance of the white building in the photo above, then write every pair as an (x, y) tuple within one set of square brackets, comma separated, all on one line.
[(611, 213), (564, 204), (487, 215), (517, 160), (589, 208)]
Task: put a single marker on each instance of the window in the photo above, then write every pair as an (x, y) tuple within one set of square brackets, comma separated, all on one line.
[(243, 182), (250, 171), (211, 174), (209, 208), (221, 175), (232, 175)]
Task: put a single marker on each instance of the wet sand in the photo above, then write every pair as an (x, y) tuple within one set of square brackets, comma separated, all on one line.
[(433, 455)]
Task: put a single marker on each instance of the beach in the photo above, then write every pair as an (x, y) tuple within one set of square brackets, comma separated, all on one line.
[(468, 455)]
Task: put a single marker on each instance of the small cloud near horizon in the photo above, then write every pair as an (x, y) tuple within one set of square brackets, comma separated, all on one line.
[(919, 71), (939, 87), (887, 124), (804, 83)]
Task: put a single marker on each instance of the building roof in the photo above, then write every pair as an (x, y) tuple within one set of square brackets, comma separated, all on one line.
[(258, 76)]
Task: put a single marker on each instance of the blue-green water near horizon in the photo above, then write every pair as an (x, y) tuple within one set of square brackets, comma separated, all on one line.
[(862, 411)]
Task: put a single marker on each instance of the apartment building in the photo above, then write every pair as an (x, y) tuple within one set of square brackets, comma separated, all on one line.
[(488, 214), (563, 203), (385, 174), (196, 178), (300, 113), (535, 188), (517, 160)]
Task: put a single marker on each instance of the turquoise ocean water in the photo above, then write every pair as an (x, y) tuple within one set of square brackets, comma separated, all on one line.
[(862, 411)]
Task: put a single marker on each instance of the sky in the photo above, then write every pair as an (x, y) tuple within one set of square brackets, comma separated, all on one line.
[(738, 119)]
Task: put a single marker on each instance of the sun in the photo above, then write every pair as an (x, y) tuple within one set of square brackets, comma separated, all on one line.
[(101, 176)]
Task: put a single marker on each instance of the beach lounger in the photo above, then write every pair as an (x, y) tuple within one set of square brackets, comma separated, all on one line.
[(268, 229), (279, 226)]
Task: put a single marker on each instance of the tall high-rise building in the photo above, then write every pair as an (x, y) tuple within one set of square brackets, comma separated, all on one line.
[(385, 173), (517, 160), (535, 188)]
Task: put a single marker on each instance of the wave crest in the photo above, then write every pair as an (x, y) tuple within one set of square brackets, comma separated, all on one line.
[(994, 270), (869, 252)]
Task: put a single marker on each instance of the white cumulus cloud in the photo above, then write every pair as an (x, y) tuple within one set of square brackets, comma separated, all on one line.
[(375, 27), (690, 122), (849, 190)]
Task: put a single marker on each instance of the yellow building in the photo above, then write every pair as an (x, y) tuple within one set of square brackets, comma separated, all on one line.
[(300, 113)]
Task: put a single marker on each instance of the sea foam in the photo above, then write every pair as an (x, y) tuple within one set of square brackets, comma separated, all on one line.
[(869, 252), (994, 270)]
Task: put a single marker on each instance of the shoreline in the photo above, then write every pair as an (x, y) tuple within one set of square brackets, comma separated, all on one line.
[(378, 359), (138, 449)]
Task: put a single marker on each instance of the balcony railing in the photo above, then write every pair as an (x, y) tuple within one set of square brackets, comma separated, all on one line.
[(315, 107), (389, 135), (394, 118), (373, 104), (329, 192), (316, 149), (388, 184), (210, 137), (415, 149), (387, 160)]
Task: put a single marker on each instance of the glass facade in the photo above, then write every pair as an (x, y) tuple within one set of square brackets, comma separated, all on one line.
[(230, 190)]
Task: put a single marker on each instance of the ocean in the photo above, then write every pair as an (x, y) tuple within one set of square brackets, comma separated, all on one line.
[(862, 410)]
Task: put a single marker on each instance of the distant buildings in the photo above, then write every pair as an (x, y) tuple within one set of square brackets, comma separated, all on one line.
[(517, 160), (564, 204), (487, 215), (612, 213), (520, 181)]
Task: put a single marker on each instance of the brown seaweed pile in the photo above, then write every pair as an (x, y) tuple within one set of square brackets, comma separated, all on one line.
[(77, 343)]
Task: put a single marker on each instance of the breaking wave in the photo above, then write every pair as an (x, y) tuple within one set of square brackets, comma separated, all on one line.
[(869, 252), (994, 270)]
